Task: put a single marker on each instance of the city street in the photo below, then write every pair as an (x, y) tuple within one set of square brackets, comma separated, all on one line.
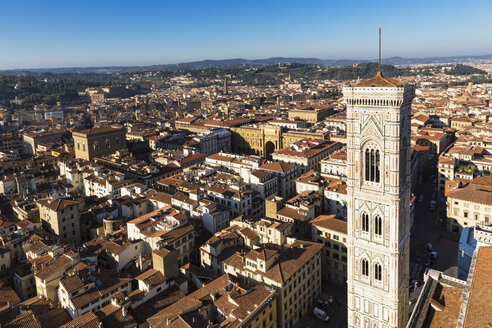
[(337, 311), (429, 229)]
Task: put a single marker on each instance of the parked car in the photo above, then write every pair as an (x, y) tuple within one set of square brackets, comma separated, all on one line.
[(320, 314)]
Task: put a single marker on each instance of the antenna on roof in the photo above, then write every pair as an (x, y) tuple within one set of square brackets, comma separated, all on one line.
[(379, 63)]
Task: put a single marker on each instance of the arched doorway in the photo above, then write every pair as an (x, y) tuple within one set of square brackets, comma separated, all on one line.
[(269, 148)]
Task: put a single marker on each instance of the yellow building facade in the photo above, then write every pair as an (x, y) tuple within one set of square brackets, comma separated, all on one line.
[(258, 140), (265, 139)]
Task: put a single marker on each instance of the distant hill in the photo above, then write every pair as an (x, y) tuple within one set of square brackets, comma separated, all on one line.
[(260, 62)]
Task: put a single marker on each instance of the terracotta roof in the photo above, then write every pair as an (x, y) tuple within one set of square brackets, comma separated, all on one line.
[(307, 153), (61, 261), (58, 204), (8, 296), (235, 302), (475, 193), (72, 283), (162, 252), (191, 300), (219, 157), (330, 222), (277, 166), (26, 319), (291, 258), (157, 303), (112, 316), (444, 307), (151, 277), (248, 233), (87, 320), (479, 309), (176, 233), (379, 81), (260, 174), (99, 130), (108, 282)]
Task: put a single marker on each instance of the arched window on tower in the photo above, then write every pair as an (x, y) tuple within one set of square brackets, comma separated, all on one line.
[(378, 272), (365, 267), (378, 225), (372, 163), (365, 222)]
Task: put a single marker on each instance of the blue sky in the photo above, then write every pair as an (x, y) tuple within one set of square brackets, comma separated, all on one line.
[(97, 33)]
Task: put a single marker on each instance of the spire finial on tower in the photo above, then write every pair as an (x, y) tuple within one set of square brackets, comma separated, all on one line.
[(379, 62)]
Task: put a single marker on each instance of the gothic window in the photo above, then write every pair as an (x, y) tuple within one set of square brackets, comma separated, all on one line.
[(378, 225), (378, 272), (372, 163), (95, 145), (108, 143), (83, 146), (78, 145), (365, 267), (365, 222)]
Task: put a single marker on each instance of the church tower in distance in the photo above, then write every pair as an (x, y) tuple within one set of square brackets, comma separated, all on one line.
[(378, 159)]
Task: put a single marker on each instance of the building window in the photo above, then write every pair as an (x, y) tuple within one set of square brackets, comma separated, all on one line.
[(365, 222), (117, 141), (78, 145), (378, 225), (378, 272), (108, 143), (465, 214), (372, 163), (365, 267), (83, 146), (96, 145)]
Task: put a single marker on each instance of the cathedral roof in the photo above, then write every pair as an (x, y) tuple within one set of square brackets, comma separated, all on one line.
[(380, 81)]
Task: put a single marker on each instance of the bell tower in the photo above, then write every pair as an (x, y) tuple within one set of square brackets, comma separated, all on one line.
[(378, 190)]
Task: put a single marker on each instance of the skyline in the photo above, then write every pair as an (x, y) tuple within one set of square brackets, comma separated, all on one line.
[(57, 34)]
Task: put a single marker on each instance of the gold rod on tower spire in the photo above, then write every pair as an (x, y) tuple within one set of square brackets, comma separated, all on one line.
[(379, 63)]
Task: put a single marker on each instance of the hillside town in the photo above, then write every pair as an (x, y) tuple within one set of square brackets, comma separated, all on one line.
[(233, 205)]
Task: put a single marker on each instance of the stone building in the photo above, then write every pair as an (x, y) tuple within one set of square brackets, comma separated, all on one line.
[(378, 194), (332, 232), (31, 140), (310, 114), (293, 269), (469, 206), (98, 141), (62, 217)]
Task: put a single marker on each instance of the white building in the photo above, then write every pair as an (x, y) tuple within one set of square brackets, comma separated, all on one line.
[(335, 165), (79, 295), (378, 193)]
